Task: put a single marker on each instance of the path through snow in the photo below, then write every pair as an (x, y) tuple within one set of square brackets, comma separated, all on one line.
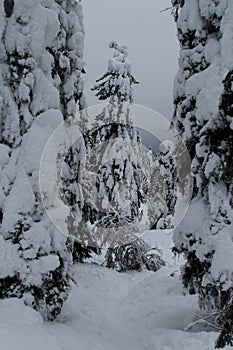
[(112, 311)]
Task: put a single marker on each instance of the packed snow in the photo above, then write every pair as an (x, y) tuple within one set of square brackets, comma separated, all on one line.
[(112, 310)]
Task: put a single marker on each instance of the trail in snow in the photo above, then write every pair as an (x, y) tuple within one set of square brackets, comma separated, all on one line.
[(112, 311)]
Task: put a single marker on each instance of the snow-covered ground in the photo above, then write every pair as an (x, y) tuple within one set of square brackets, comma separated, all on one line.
[(112, 311)]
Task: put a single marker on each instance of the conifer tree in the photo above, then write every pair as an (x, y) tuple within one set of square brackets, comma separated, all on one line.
[(169, 175), (120, 178), (123, 167), (35, 257), (203, 116), (117, 83)]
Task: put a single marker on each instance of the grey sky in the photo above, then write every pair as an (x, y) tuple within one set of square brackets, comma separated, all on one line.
[(151, 39)]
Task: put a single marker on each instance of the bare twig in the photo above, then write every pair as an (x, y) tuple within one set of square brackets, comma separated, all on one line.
[(203, 322), (73, 280), (166, 9)]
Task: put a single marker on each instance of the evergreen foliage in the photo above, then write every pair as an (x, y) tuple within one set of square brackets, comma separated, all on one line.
[(203, 116), (124, 175), (169, 175), (117, 83), (39, 41), (134, 256)]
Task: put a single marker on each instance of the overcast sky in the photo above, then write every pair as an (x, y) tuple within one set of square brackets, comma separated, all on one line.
[(151, 39)]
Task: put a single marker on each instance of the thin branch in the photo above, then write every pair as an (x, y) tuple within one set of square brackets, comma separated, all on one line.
[(203, 322), (73, 280), (166, 9)]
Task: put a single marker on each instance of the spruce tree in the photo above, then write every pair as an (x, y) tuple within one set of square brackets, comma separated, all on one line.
[(121, 183), (203, 116), (117, 83), (169, 175), (35, 256), (123, 167)]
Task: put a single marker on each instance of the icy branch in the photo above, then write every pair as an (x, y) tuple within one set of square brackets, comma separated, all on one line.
[(201, 322)]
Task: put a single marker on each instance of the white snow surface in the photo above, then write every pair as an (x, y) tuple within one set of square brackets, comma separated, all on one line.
[(112, 310)]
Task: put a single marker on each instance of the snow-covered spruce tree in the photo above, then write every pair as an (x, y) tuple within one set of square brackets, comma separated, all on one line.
[(116, 141), (169, 175), (123, 167), (35, 257), (117, 84), (67, 53), (203, 116), (67, 68)]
